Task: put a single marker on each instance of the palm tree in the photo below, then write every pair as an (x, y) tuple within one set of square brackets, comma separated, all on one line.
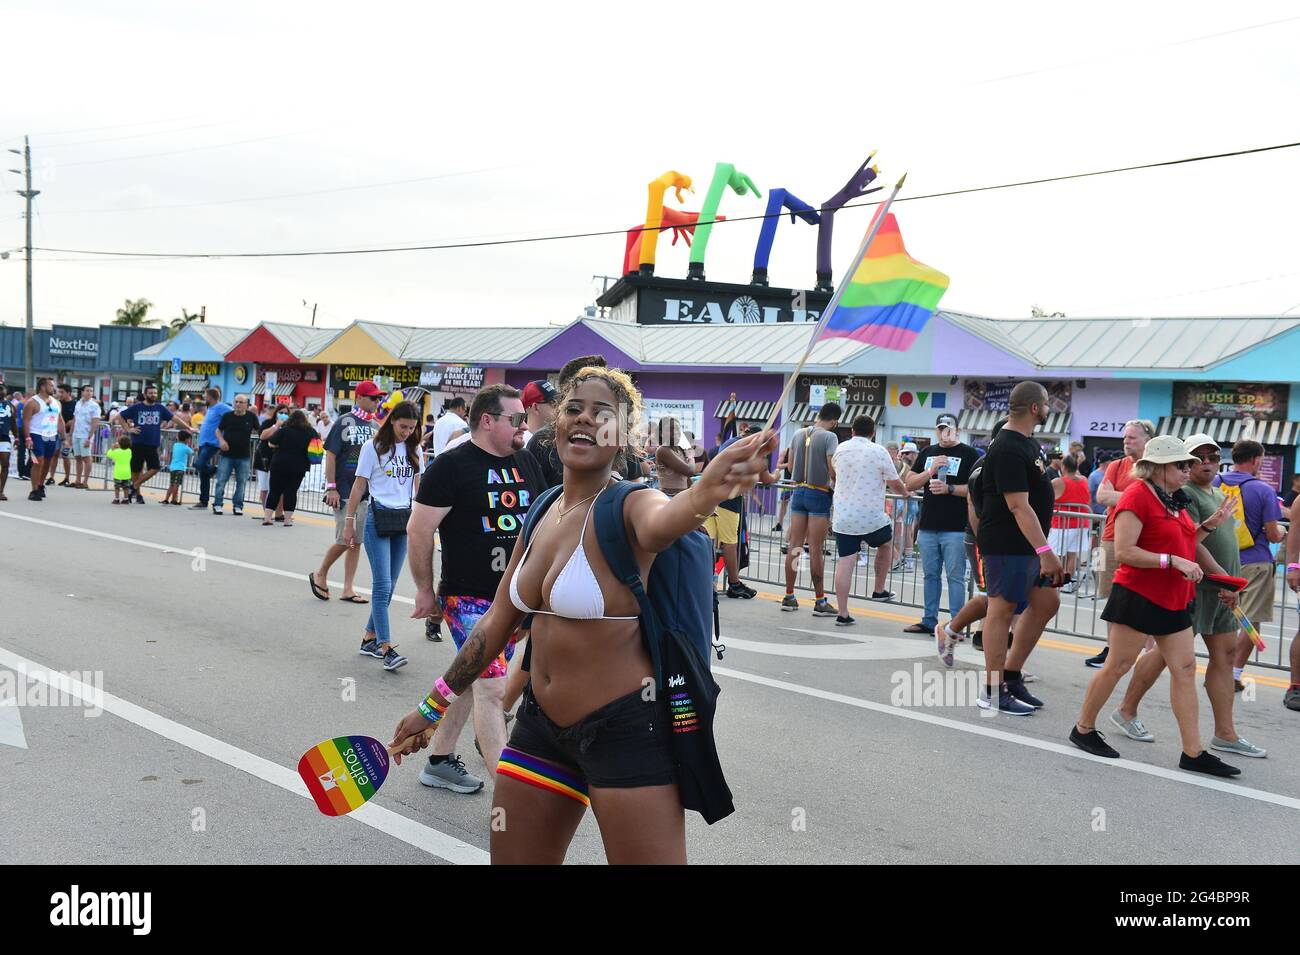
[(180, 321), (133, 313)]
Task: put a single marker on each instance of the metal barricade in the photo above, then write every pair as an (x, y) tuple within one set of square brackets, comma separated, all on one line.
[(1080, 611)]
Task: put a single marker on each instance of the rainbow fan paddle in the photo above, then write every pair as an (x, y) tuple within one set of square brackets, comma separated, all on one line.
[(345, 772)]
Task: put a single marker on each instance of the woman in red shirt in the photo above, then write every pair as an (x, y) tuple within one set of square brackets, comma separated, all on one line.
[(1160, 557), (1071, 536)]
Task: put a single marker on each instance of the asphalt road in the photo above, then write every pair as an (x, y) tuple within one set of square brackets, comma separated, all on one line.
[(219, 669)]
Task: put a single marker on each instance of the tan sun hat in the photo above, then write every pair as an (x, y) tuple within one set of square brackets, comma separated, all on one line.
[(1166, 449), (1194, 441)]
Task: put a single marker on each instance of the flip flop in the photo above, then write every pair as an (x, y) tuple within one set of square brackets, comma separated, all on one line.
[(354, 599), (321, 593), (915, 628)]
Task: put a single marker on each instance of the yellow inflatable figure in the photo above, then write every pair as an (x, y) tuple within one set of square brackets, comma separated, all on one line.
[(654, 214)]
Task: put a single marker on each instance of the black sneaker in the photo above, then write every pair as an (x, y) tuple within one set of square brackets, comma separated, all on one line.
[(369, 648), (1207, 763), (237, 512), (791, 602), (823, 608), (844, 621), (1093, 742), (1017, 689), (393, 660), (883, 595), (1007, 703), (34, 496), (977, 641), (49, 481), (139, 499), (776, 528), (740, 590), (199, 507), (432, 630), (1099, 660)]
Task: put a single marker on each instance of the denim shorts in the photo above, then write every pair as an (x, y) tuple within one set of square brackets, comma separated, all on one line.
[(811, 501), (622, 745), (44, 447), (1010, 576)]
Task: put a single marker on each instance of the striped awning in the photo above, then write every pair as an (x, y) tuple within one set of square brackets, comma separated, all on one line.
[(1231, 430), (745, 410), (803, 413), (192, 381), (281, 391), (984, 420)]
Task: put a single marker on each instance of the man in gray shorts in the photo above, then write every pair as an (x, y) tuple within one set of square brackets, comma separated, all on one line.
[(343, 446)]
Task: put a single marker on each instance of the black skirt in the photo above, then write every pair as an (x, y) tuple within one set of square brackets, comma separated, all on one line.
[(1131, 609)]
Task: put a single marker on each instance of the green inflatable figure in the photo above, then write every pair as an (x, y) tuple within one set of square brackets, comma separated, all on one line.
[(724, 175)]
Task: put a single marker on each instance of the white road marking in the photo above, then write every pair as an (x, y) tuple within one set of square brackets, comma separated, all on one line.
[(377, 817), (1061, 749), (11, 724)]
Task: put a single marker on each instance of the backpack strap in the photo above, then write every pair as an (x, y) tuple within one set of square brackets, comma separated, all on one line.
[(537, 509), (611, 535)]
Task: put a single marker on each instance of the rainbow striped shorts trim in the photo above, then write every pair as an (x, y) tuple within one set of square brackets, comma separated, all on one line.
[(542, 774)]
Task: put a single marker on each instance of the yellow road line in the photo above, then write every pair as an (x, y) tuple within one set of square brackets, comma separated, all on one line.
[(298, 518)]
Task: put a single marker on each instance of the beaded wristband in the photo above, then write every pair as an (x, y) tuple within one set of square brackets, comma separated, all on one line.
[(1043, 550), (442, 687)]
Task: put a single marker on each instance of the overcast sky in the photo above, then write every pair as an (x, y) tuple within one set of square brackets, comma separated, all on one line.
[(533, 119)]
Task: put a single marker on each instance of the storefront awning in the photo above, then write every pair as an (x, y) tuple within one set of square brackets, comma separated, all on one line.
[(1231, 430), (191, 382), (804, 413), (984, 420), (745, 410), (281, 391)]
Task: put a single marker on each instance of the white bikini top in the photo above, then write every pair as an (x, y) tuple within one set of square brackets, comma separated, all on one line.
[(575, 595)]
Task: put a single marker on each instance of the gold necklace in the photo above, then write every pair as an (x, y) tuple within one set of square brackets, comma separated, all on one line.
[(562, 511)]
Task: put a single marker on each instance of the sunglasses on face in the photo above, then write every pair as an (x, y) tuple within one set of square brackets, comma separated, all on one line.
[(1184, 465), (516, 419), (1210, 458)]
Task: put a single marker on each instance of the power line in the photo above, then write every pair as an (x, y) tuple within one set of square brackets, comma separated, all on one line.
[(95, 129), (177, 152), (118, 139), (284, 195), (609, 232)]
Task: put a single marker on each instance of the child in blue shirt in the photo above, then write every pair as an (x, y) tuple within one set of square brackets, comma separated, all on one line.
[(180, 462)]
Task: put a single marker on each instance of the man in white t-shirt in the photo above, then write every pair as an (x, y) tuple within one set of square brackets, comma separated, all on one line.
[(450, 425), (86, 418), (862, 470)]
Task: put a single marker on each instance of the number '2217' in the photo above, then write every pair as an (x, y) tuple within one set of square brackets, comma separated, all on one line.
[(1106, 427)]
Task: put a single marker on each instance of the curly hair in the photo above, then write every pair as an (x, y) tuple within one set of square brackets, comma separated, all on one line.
[(629, 403)]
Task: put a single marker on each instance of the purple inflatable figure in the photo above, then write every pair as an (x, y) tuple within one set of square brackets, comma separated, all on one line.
[(855, 187)]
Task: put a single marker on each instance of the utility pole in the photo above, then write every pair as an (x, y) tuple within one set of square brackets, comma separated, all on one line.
[(29, 194), (313, 311), (203, 314)]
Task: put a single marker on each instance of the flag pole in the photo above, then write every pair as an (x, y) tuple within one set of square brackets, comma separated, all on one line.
[(835, 299)]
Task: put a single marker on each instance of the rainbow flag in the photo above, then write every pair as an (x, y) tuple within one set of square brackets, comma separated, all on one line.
[(316, 451), (889, 297)]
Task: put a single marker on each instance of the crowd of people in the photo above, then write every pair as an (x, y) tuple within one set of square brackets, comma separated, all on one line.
[(404, 489)]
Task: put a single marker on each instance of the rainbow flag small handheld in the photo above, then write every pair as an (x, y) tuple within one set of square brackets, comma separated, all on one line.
[(1244, 622), (344, 773), (316, 451)]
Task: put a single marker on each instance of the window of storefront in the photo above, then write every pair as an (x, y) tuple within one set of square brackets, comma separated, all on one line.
[(125, 388)]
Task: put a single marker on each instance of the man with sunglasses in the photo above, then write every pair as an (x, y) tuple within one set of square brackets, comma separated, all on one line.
[(1118, 476), (1212, 617)]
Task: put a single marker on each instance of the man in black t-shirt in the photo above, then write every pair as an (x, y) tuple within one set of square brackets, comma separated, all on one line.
[(476, 495), (1017, 512), (942, 469), (235, 437), (68, 406)]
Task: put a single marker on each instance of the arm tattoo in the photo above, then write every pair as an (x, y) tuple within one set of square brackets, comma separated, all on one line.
[(469, 663)]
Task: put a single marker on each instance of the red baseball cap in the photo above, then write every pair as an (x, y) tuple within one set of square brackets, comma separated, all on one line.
[(537, 392), (368, 389)]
